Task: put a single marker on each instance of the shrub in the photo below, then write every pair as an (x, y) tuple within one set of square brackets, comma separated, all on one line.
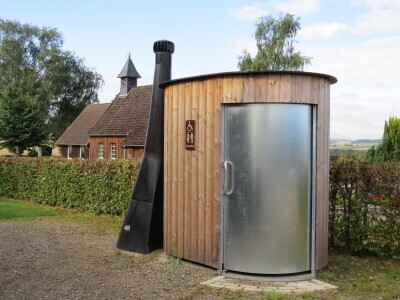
[(364, 210), (32, 153), (46, 150), (389, 148), (102, 187)]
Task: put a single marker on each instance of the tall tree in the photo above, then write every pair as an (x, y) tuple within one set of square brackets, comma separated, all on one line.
[(389, 148), (22, 122), (275, 40), (33, 62)]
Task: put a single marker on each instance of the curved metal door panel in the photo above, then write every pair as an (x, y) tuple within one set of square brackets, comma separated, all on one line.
[(267, 153)]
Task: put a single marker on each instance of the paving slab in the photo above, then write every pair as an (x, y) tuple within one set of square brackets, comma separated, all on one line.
[(277, 286)]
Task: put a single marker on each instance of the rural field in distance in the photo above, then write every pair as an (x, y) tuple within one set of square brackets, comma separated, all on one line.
[(350, 146)]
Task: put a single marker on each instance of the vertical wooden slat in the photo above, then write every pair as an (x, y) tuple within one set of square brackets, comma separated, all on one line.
[(91, 149), (209, 170), (321, 179), (319, 171), (227, 83), (237, 90), (285, 88), (325, 169), (325, 227), (195, 176), (134, 153), (296, 90), (169, 133), (248, 89), (201, 170), (106, 142), (188, 175), (166, 178), (260, 88), (181, 167), (174, 188), (273, 88), (308, 95), (216, 172)]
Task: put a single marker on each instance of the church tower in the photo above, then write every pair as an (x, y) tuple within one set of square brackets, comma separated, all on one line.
[(128, 76)]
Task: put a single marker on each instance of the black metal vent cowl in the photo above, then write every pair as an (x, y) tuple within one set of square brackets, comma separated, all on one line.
[(164, 46), (142, 228)]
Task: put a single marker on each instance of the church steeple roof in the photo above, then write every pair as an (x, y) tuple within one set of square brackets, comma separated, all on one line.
[(129, 70)]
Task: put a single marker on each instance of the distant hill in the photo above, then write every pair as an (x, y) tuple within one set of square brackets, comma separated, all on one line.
[(354, 141), (366, 141), (351, 146), (335, 140)]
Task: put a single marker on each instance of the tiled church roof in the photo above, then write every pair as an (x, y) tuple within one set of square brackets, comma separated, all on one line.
[(127, 116), (77, 132)]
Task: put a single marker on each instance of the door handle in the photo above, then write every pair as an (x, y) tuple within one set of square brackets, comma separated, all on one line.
[(228, 165)]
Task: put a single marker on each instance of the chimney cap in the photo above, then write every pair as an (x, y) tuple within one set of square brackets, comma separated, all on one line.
[(129, 70), (164, 46)]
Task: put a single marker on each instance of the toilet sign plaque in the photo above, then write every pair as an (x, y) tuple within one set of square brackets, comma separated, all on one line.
[(190, 134)]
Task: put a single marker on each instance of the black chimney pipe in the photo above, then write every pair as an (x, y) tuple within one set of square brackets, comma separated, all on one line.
[(142, 228)]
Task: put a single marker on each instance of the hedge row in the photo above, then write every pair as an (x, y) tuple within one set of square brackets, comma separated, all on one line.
[(101, 186), (364, 213)]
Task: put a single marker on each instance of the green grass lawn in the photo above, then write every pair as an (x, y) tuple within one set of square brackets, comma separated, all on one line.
[(362, 277), (13, 209), (10, 209)]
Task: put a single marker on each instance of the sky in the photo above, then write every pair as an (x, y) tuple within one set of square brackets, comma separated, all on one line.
[(357, 41)]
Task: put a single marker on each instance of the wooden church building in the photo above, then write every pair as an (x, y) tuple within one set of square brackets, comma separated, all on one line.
[(115, 130)]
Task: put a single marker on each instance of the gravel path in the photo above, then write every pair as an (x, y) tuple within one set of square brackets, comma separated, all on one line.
[(55, 259)]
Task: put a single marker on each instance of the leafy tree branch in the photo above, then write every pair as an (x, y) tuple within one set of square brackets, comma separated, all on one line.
[(275, 40)]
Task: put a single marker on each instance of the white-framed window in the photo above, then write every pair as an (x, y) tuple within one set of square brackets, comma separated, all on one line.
[(113, 151), (101, 150), (69, 152), (82, 152)]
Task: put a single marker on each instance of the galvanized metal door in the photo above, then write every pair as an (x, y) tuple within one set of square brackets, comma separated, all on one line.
[(266, 182)]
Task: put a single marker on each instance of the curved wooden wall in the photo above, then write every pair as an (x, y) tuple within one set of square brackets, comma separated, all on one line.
[(192, 178)]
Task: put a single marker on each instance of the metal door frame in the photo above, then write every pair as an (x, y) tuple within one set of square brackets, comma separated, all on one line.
[(302, 276)]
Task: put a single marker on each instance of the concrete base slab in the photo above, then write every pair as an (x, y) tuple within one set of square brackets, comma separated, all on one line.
[(258, 286)]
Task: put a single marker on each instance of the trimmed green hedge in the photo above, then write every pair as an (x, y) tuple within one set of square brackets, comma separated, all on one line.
[(364, 209), (364, 212), (99, 186)]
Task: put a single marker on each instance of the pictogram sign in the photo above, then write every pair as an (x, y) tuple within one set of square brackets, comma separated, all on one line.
[(190, 134)]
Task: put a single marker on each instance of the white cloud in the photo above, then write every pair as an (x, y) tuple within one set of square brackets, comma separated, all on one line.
[(298, 7), (257, 9), (378, 3), (373, 63), (251, 12), (368, 88), (323, 30), (389, 41), (379, 20), (360, 117), (381, 16)]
